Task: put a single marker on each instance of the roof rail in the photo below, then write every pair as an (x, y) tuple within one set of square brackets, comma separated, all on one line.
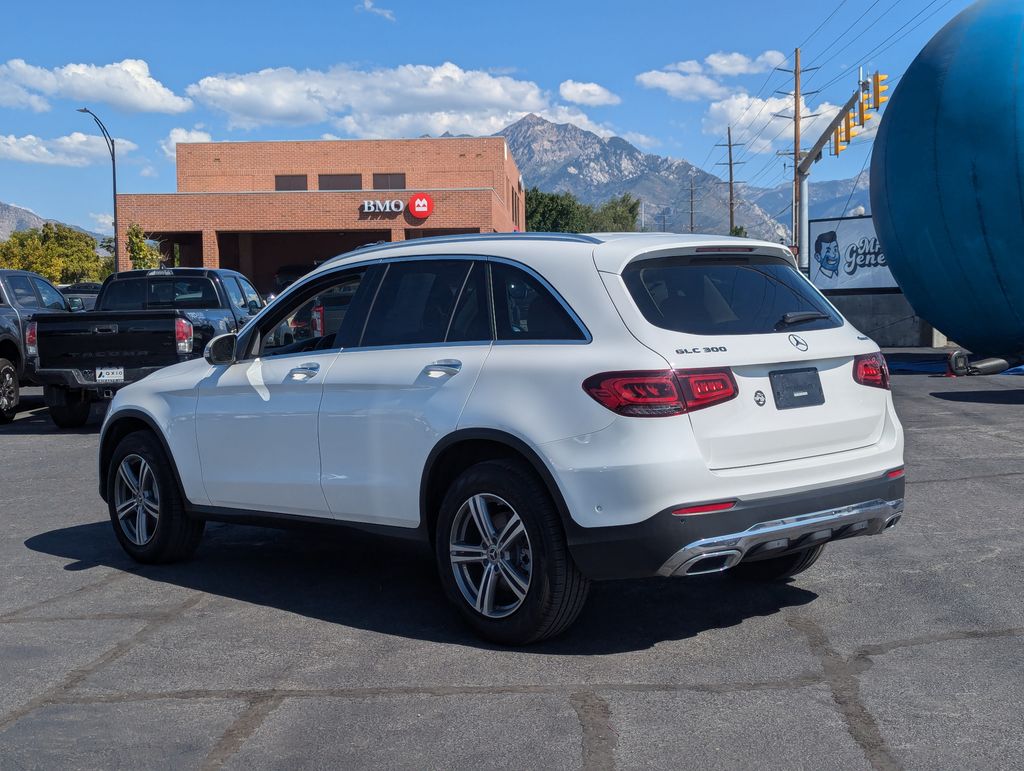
[(579, 238)]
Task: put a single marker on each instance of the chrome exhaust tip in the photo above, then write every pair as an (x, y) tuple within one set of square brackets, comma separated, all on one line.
[(712, 562)]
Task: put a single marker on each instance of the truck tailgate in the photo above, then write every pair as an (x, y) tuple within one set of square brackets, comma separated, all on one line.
[(129, 339)]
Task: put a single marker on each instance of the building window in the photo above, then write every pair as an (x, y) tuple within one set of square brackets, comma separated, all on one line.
[(341, 182), (389, 181), (290, 182)]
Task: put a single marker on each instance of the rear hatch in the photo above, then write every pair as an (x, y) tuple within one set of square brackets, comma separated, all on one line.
[(129, 339), (790, 352)]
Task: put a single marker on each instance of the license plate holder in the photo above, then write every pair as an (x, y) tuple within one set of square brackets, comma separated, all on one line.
[(110, 374), (795, 388)]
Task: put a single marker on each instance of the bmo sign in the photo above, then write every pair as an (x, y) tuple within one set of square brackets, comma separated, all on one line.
[(419, 206)]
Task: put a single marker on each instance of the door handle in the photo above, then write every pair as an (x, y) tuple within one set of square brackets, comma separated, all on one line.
[(304, 371), (443, 367)]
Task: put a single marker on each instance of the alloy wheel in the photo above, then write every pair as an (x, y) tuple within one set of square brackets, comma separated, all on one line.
[(8, 390), (137, 499), (491, 555)]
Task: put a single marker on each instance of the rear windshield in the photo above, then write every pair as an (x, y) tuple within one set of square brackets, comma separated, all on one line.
[(742, 297), (135, 294)]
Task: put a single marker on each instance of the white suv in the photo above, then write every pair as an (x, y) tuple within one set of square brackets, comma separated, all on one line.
[(543, 409)]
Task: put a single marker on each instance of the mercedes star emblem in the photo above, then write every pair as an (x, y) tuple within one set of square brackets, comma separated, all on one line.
[(798, 342)]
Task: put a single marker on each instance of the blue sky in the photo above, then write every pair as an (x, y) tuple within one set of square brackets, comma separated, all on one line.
[(667, 76)]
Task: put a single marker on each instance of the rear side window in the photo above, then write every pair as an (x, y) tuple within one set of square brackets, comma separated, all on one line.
[(725, 298), (23, 294), (525, 309), (415, 302)]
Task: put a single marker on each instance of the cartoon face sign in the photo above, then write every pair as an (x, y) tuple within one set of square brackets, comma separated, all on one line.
[(826, 253)]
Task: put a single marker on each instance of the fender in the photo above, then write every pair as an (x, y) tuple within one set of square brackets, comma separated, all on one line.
[(105, 451)]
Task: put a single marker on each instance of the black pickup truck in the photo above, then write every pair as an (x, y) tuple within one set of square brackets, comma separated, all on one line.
[(143, 320)]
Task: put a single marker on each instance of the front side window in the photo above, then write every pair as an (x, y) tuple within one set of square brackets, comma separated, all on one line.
[(325, 317), (251, 295), (524, 309), (52, 299), (21, 289), (235, 293), (415, 302), (745, 296)]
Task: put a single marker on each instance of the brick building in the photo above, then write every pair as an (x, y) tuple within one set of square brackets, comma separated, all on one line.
[(258, 207)]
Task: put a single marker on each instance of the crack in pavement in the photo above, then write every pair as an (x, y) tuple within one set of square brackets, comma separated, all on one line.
[(113, 577), (841, 675), (79, 674), (238, 733), (599, 736)]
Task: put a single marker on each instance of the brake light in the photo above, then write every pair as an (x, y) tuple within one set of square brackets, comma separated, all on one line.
[(31, 338), (318, 321), (870, 369), (896, 473), (703, 508), (660, 393), (183, 335)]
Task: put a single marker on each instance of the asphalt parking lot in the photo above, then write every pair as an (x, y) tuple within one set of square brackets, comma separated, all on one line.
[(336, 649)]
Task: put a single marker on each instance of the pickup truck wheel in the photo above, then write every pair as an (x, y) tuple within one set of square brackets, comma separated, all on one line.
[(503, 558), (779, 568), (9, 393), (146, 507), (68, 408)]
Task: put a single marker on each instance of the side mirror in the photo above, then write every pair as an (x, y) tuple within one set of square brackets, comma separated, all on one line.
[(76, 304), (221, 350), (254, 307)]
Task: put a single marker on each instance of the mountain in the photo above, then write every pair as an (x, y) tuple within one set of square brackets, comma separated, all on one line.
[(14, 218), (560, 157)]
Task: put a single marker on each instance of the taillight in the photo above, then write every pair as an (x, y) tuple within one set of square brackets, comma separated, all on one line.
[(660, 393), (317, 321), (31, 338), (183, 335), (870, 369)]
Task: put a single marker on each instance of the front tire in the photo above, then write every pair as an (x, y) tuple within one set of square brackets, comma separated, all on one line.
[(10, 395), (146, 507), (502, 555), (777, 568)]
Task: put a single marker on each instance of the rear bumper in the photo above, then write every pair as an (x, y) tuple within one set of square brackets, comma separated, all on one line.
[(85, 380), (668, 545)]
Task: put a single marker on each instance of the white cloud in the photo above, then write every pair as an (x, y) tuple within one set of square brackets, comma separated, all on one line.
[(590, 94), (369, 5), (169, 143), (76, 149), (686, 88), (126, 84), (104, 222), (723, 63), (689, 67), (407, 100), (149, 171), (857, 211), (754, 122), (643, 141)]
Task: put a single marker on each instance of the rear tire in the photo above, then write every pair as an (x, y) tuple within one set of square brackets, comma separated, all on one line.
[(777, 568), (68, 408), (525, 549), (10, 396), (146, 507)]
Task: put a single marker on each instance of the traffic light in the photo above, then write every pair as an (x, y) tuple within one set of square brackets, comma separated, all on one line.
[(863, 116), (847, 128), (838, 144), (878, 90)]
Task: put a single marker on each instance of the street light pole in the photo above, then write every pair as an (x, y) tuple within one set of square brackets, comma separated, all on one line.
[(113, 165)]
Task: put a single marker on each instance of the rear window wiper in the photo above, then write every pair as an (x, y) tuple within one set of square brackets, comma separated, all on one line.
[(799, 317)]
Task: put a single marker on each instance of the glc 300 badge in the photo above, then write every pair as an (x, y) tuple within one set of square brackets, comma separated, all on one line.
[(798, 342), (759, 398)]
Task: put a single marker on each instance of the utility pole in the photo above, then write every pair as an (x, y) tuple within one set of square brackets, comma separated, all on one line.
[(732, 180), (691, 204), (796, 142)]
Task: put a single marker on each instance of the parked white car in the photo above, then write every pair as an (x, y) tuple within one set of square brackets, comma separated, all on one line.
[(545, 409)]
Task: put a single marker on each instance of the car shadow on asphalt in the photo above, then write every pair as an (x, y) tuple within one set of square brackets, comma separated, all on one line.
[(390, 586), (1009, 396), (33, 419)]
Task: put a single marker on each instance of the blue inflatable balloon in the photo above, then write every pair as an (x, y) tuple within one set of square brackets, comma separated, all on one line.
[(947, 179)]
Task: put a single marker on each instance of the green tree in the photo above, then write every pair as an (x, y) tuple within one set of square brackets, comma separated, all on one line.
[(57, 252), (556, 213), (617, 215), (739, 231), (143, 255)]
